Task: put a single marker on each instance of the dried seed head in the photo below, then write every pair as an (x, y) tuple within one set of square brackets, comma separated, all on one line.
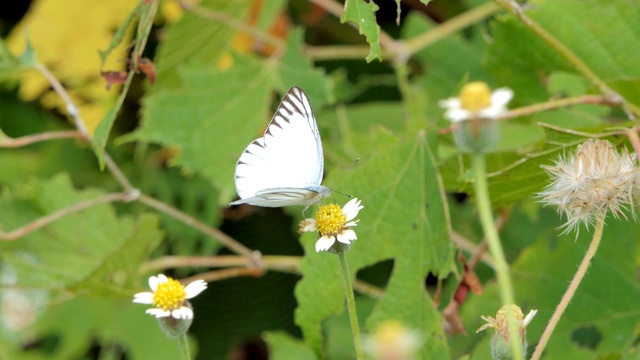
[(594, 179)]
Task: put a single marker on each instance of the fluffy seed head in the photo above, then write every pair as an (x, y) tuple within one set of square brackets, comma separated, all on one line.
[(590, 181)]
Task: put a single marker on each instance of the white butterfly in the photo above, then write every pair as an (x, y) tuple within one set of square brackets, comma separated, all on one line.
[(284, 166)]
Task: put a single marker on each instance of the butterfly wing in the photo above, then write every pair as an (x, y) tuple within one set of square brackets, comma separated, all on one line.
[(284, 167)]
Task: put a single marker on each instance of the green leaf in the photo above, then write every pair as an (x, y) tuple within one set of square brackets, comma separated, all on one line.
[(118, 270), (28, 57), (102, 131), (282, 346), (211, 124), (196, 39), (404, 218), (9, 64), (80, 323), (207, 123), (606, 44), (120, 34), (362, 14), (81, 249)]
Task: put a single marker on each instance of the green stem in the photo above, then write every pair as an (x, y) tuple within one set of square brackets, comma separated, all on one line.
[(184, 347), (495, 247), (351, 305), (571, 290)]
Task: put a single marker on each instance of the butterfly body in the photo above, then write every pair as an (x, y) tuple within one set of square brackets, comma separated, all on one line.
[(285, 166)]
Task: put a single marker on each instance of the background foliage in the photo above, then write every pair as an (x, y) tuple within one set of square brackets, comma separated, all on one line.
[(220, 69)]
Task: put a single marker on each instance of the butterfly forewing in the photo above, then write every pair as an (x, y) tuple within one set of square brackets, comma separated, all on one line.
[(288, 156)]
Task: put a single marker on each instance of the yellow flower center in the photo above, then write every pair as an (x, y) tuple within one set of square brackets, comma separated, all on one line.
[(330, 219), (169, 295), (390, 332), (475, 96)]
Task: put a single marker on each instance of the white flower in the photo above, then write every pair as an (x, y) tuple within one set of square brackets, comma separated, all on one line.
[(333, 224), (477, 100), (169, 297)]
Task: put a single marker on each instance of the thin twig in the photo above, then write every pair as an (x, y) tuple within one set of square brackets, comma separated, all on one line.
[(72, 109), (571, 290), (48, 219), (478, 250), (238, 25), (225, 239), (217, 275), (632, 134), (560, 103), (118, 174), (451, 27), (288, 263), (8, 142), (551, 105)]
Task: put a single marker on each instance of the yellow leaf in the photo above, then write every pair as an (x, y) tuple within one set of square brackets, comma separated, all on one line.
[(66, 36)]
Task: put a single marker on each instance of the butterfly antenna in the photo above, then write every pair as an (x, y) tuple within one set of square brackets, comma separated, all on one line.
[(341, 193)]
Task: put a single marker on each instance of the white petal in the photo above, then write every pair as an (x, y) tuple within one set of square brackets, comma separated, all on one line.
[(450, 103), (492, 112), (501, 97), (153, 283), (195, 288), (158, 313), (351, 209), (352, 223), (143, 298), (324, 243), (308, 225), (457, 115), (529, 317), (182, 313), (346, 236)]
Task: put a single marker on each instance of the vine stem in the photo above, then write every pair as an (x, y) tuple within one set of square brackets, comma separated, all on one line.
[(495, 248), (46, 220), (8, 142), (571, 290), (225, 239), (351, 304)]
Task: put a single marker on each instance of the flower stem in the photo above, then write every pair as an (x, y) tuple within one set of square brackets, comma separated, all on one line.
[(351, 305), (571, 290), (495, 247), (184, 347)]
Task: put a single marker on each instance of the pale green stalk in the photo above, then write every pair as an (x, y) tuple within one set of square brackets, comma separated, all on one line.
[(184, 347), (495, 247), (351, 305), (571, 290)]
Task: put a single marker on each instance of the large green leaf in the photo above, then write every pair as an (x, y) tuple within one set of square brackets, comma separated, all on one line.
[(211, 124), (607, 43), (115, 325), (92, 252), (404, 218), (197, 39), (603, 315)]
